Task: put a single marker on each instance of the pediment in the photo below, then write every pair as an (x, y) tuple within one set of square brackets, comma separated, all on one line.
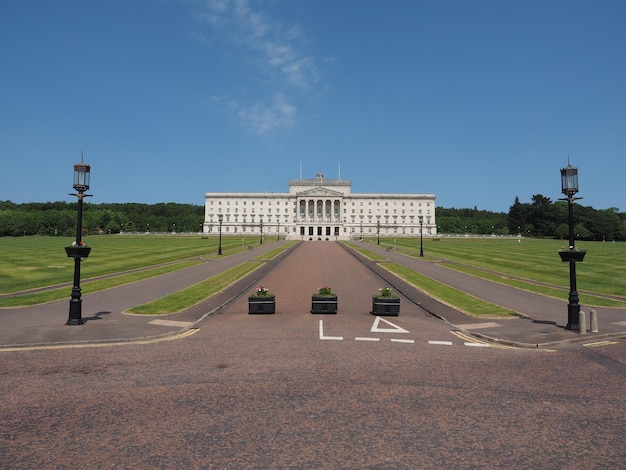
[(319, 191)]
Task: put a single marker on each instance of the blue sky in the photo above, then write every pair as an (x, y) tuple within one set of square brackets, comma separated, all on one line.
[(475, 101)]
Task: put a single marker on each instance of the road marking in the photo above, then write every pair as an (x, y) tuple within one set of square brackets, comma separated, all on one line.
[(476, 326), (337, 338), (181, 324), (468, 338), (599, 343), (366, 339), (189, 332), (377, 329), (470, 341), (395, 340), (444, 343), (129, 342)]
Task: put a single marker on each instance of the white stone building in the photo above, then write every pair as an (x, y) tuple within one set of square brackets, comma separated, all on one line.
[(320, 209)]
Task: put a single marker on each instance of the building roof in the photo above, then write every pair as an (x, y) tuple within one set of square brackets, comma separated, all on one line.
[(319, 180)]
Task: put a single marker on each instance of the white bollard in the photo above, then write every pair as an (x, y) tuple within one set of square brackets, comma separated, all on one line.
[(593, 321), (581, 323)]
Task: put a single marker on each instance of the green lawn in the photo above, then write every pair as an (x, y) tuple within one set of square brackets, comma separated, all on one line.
[(602, 272), (33, 262)]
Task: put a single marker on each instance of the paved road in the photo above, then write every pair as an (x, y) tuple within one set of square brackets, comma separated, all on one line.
[(278, 391)]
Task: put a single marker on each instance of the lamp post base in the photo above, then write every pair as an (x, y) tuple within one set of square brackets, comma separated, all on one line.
[(75, 317), (573, 312)]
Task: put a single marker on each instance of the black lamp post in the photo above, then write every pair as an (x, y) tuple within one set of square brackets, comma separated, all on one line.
[(378, 230), (421, 219), (278, 231), (261, 231), (569, 187), (361, 226), (78, 250), (220, 217)]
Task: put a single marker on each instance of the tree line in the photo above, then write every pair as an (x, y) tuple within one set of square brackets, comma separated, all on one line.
[(544, 218), (59, 218), (539, 218)]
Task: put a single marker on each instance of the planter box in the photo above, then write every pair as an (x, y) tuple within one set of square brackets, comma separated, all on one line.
[(572, 256), (77, 251), (382, 306), (261, 305), (324, 304)]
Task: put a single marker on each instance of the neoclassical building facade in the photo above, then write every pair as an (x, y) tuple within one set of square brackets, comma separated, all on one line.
[(320, 209)]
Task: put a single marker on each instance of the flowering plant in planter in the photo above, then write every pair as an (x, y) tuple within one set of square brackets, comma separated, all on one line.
[(385, 303), (572, 254), (79, 245), (324, 291), (262, 291), (77, 250), (324, 301), (386, 293), (262, 301)]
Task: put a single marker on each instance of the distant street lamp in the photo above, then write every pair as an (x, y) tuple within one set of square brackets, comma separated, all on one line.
[(278, 231), (569, 187), (261, 231), (421, 219), (361, 226), (220, 217), (378, 229), (78, 251)]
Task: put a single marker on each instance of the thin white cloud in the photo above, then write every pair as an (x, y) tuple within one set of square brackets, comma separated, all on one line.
[(262, 118), (256, 31), (277, 54)]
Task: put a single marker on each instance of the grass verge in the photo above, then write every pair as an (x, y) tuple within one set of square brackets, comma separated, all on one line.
[(454, 298), (195, 294), (364, 252), (272, 253)]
